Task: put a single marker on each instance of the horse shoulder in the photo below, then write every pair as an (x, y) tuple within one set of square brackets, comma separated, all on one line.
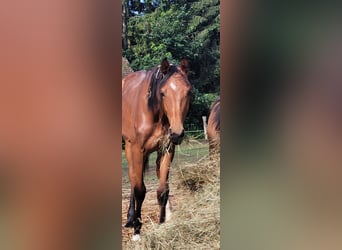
[(156, 138), (138, 120), (137, 124)]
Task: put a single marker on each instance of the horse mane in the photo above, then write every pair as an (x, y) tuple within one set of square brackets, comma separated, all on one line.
[(158, 79)]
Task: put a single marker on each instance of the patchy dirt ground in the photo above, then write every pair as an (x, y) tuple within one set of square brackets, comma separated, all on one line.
[(150, 208), (187, 152)]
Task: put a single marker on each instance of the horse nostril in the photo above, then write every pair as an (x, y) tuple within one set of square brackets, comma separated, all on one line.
[(176, 137)]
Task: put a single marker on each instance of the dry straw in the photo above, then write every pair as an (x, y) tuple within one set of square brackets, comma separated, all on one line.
[(195, 222)]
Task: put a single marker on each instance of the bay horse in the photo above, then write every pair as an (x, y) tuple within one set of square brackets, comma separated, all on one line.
[(154, 105), (213, 129)]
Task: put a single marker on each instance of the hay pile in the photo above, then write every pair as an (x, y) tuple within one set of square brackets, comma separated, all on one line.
[(195, 222), (126, 69)]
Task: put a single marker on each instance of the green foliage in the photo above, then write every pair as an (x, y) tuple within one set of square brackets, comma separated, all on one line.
[(155, 36), (200, 106), (176, 30)]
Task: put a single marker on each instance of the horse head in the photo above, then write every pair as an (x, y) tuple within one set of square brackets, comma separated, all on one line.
[(175, 96)]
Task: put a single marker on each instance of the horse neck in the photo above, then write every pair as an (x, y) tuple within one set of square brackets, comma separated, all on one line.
[(158, 112), (154, 103)]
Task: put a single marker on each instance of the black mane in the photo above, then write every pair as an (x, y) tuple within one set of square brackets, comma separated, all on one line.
[(157, 81)]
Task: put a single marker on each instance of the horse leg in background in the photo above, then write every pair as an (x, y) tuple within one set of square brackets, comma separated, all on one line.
[(214, 147), (210, 150), (163, 164), (136, 171)]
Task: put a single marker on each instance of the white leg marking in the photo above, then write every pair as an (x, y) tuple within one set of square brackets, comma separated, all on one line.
[(168, 213), (136, 237)]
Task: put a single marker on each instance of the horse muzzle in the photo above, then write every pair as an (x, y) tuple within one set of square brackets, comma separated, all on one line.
[(176, 138)]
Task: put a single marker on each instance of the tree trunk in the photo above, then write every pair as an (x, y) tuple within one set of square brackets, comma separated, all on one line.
[(124, 24)]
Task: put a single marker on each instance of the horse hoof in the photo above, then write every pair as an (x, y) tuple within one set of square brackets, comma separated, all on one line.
[(129, 224), (136, 237)]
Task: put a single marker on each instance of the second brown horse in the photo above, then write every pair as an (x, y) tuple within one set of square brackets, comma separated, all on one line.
[(214, 129), (154, 106)]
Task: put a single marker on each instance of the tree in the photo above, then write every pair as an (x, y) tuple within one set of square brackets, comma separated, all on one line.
[(204, 28), (125, 16), (177, 29)]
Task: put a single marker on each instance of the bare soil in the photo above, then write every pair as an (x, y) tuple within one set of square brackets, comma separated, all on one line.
[(150, 208)]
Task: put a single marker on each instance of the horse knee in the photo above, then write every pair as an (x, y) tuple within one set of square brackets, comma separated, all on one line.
[(140, 192)]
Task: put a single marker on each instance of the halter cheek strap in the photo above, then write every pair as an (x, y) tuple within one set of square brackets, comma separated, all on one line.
[(158, 71), (156, 75), (158, 79)]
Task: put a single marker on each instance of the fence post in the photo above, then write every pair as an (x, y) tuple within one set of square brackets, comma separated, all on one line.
[(204, 118)]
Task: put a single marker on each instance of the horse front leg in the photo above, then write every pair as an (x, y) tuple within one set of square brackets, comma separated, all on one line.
[(138, 188), (163, 165), (131, 209)]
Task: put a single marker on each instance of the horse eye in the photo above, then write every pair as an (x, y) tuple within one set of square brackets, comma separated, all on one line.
[(162, 94)]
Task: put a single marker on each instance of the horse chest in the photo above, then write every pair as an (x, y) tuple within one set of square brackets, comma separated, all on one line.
[(155, 140)]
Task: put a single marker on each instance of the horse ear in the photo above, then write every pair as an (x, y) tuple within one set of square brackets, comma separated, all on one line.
[(164, 66), (184, 65)]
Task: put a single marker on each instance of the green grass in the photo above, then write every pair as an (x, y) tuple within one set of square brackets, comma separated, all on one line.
[(189, 151)]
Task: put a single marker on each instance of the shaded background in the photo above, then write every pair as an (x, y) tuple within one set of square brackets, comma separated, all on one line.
[(153, 30), (60, 143), (60, 146), (281, 136)]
